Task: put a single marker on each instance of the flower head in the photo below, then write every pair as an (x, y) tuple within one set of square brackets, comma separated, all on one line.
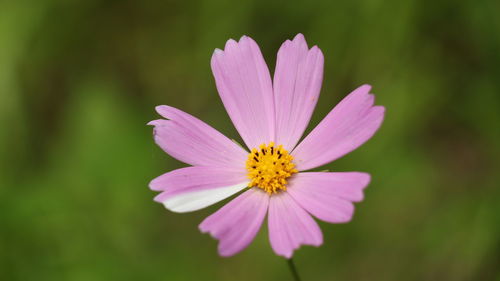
[(271, 117)]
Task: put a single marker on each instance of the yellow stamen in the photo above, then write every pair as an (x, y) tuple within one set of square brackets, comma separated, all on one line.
[(269, 167)]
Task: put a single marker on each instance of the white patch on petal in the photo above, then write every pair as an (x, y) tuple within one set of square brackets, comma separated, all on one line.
[(192, 201)]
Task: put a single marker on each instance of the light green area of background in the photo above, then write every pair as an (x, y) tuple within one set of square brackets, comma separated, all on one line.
[(79, 80)]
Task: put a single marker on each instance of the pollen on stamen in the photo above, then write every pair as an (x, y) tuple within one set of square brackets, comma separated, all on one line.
[(270, 168)]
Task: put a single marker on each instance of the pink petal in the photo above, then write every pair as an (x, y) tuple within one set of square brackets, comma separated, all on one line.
[(351, 123), (192, 188), (193, 142), (196, 178), (244, 85), (290, 226), (236, 224), (297, 83), (328, 196)]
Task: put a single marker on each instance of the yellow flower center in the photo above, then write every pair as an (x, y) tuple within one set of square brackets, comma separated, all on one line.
[(269, 167)]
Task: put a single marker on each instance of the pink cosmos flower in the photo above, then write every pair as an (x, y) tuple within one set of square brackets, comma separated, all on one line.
[(271, 117)]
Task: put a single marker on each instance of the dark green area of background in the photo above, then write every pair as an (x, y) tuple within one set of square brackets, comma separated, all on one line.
[(79, 80)]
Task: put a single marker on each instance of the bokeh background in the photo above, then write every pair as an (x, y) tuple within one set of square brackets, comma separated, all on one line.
[(79, 80)]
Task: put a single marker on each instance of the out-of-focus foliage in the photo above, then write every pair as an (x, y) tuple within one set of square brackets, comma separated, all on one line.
[(79, 80)]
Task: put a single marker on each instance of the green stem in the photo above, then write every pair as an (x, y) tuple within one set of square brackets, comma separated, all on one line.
[(293, 269)]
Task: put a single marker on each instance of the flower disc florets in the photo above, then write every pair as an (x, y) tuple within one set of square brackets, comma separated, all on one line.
[(269, 167)]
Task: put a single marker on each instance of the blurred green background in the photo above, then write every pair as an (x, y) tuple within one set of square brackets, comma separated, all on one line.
[(79, 80)]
